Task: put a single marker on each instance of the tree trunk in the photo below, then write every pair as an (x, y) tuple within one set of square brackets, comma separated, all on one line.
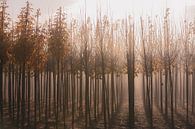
[(104, 92), (112, 93), (58, 85), (1, 92), (171, 88), (176, 87), (131, 93), (81, 94), (73, 97), (166, 85), (187, 80), (13, 93), (18, 95), (29, 95), (193, 90), (161, 92), (9, 88), (46, 99), (35, 98), (23, 95)]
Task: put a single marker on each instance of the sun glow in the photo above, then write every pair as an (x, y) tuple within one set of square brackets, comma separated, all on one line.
[(122, 8)]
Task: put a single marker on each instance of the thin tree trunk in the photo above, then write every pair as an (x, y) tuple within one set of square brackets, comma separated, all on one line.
[(1, 92), (193, 90), (81, 94), (171, 88), (23, 95), (29, 94), (73, 97), (35, 98), (46, 99), (187, 80), (9, 88), (161, 92)]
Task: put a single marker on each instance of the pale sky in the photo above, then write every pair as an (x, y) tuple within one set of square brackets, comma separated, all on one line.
[(113, 8)]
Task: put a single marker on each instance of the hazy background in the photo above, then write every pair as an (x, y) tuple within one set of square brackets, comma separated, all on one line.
[(113, 8)]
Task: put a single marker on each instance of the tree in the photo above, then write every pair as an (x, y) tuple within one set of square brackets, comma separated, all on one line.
[(58, 48), (130, 42), (4, 46), (23, 50)]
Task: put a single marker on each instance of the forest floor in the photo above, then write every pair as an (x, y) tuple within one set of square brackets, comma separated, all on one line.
[(119, 119)]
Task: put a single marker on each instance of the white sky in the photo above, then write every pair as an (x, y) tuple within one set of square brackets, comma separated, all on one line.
[(113, 8)]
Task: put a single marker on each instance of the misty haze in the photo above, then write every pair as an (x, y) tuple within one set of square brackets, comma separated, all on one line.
[(97, 64)]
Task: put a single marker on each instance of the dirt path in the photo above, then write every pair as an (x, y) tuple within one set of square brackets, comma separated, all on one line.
[(120, 120)]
